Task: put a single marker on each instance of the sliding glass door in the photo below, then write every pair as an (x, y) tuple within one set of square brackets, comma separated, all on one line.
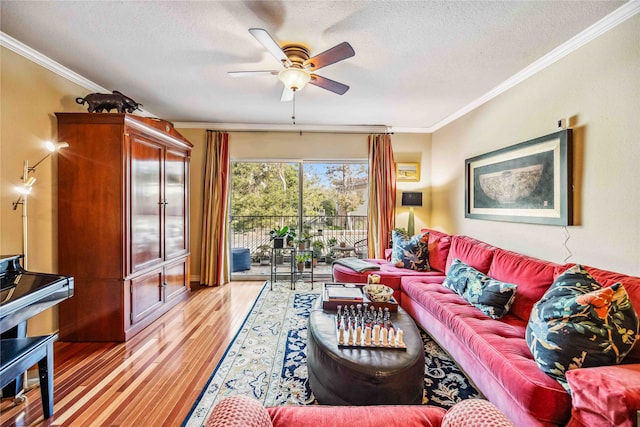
[(325, 203)]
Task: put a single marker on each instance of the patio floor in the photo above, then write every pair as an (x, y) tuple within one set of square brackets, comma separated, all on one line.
[(321, 272)]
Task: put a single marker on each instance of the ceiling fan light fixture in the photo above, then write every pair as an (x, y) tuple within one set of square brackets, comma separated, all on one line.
[(294, 78)]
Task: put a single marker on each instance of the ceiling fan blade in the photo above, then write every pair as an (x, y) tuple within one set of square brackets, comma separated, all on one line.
[(287, 95), (331, 56), (252, 73), (328, 84), (270, 44)]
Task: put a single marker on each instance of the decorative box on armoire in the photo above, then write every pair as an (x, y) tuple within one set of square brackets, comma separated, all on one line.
[(123, 223)]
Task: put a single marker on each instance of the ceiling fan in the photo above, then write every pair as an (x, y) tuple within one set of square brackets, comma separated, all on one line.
[(298, 66)]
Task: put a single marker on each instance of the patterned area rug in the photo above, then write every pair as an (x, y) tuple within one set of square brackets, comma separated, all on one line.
[(267, 358)]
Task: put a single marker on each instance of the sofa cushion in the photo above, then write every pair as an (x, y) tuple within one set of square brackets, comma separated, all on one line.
[(533, 277), (632, 285), (472, 252), (578, 323), (490, 296), (410, 252), (458, 275), (605, 395), (339, 416), (439, 245)]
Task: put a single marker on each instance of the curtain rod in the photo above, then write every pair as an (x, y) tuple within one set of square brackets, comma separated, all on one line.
[(246, 127), (300, 131)]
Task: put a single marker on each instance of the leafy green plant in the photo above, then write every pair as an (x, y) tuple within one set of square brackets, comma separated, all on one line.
[(402, 231), (303, 257), (318, 246), (282, 232)]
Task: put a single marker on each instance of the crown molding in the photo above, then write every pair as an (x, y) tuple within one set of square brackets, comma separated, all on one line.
[(57, 68), (610, 21), (48, 63)]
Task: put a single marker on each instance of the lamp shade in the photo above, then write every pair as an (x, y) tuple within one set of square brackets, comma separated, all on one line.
[(294, 78), (411, 198)]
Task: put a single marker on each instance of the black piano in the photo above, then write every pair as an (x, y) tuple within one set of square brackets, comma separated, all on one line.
[(23, 294)]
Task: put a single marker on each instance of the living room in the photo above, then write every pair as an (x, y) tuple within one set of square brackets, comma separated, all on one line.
[(594, 89)]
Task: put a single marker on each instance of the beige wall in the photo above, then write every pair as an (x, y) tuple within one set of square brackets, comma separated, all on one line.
[(308, 146), (30, 97), (598, 86), (414, 148)]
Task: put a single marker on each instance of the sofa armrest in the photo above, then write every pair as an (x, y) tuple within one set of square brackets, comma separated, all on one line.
[(605, 395), (361, 416)]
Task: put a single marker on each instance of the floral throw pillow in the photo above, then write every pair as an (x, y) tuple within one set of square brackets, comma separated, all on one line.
[(492, 297), (578, 323), (410, 252)]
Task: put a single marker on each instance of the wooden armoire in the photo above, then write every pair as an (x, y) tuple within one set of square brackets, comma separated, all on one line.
[(123, 223)]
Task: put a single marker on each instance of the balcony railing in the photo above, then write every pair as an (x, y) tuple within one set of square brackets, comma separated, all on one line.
[(252, 232)]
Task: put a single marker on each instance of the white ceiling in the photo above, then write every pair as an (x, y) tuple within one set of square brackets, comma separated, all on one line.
[(418, 64)]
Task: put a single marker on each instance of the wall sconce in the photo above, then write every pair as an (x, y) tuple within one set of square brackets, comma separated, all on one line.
[(25, 189), (411, 199)]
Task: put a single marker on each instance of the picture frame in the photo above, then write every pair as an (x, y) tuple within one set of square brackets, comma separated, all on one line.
[(529, 182), (408, 172)]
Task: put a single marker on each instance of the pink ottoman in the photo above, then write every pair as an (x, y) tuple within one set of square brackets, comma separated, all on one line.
[(389, 275)]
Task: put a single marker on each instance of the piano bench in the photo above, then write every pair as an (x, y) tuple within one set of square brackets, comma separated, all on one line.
[(19, 354)]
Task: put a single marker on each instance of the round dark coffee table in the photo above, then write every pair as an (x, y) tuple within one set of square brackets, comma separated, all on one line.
[(362, 376)]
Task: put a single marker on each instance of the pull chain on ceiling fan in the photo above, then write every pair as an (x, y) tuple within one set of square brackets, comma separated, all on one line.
[(298, 66)]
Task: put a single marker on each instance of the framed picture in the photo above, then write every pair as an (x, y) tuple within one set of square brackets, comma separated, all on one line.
[(407, 171), (527, 182)]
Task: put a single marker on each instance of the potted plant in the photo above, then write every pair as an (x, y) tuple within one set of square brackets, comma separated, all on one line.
[(400, 230), (318, 246), (332, 242), (263, 254), (306, 237), (291, 235), (301, 243), (279, 234), (301, 259)]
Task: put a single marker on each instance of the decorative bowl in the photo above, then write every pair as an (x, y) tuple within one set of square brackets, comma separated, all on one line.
[(378, 293)]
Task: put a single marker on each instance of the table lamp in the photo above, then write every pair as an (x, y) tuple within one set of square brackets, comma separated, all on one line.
[(411, 199)]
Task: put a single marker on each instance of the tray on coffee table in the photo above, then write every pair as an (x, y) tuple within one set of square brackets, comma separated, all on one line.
[(345, 294)]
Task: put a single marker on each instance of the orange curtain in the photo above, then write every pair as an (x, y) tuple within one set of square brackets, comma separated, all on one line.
[(382, 194), (214, 258)]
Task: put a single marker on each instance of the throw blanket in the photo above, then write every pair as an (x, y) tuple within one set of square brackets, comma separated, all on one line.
[(357, 264)]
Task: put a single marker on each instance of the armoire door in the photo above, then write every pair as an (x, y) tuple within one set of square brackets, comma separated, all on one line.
[(175, 279), (146, 295), (176, 208), (146, 201)]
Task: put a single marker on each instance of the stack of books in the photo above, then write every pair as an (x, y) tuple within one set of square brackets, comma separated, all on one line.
[(339, 291)]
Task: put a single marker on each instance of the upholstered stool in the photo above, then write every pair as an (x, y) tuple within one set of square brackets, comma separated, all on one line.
[(240, 259), (239, 411), (389, 275), (475, 413), (19, 354)]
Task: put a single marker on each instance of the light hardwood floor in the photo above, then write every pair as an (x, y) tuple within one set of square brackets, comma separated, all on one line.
[(151, 380)]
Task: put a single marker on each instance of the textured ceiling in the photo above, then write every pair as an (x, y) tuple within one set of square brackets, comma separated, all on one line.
[(416, 63)]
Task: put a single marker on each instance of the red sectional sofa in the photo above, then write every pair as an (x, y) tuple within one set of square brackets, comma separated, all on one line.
[(494, 353)]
